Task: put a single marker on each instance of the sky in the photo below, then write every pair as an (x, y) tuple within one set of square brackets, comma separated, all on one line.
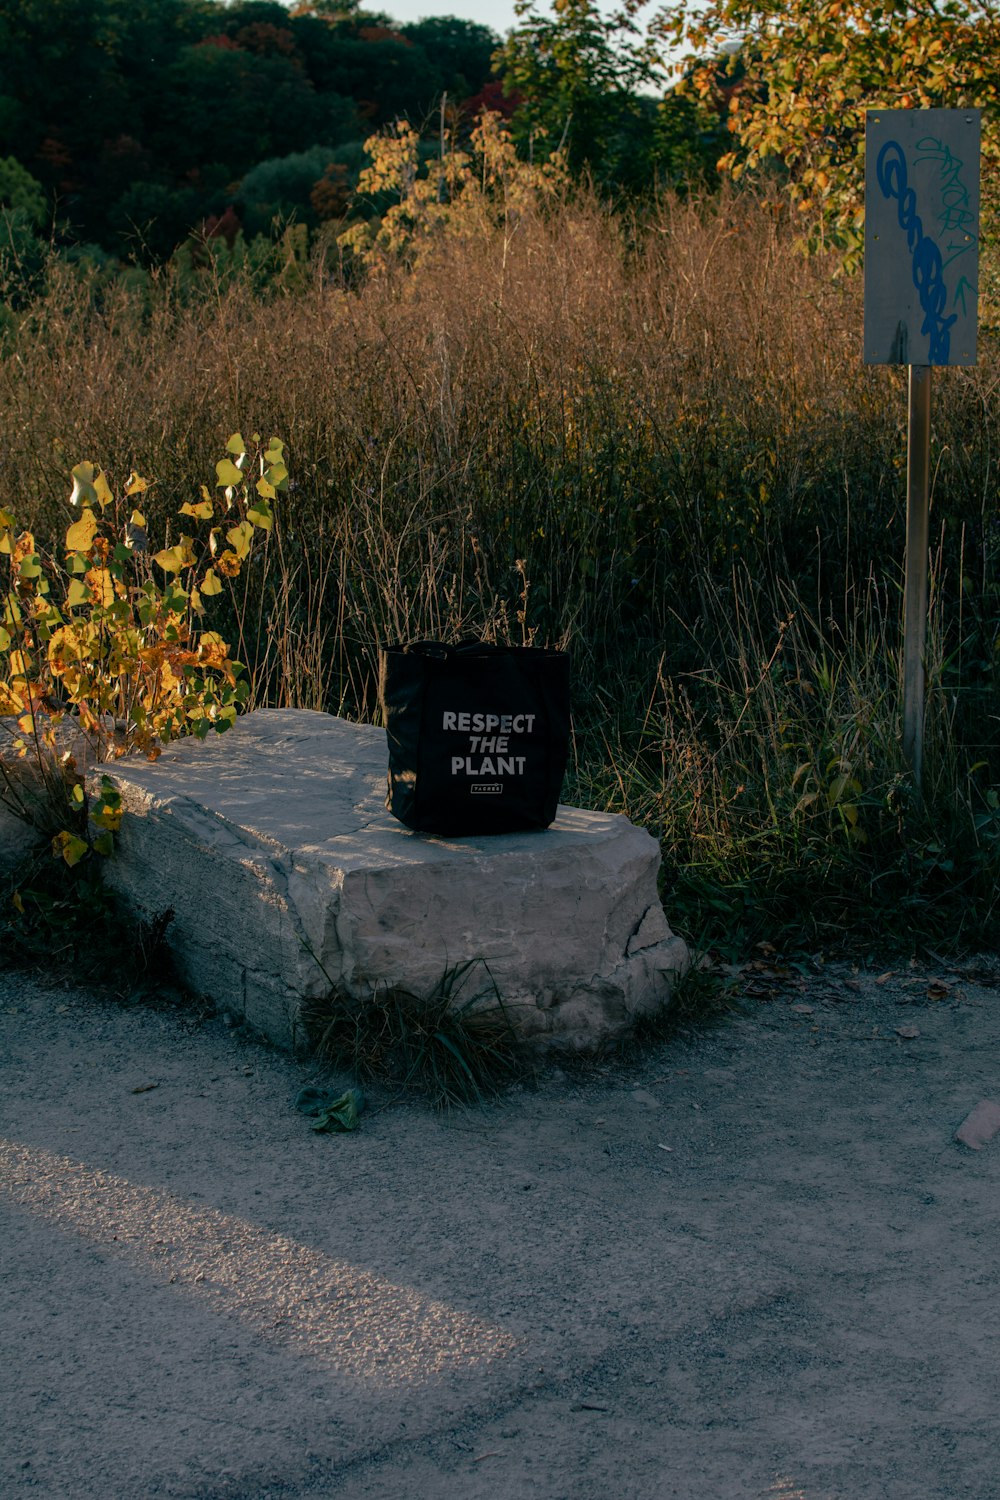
[(497, 14)]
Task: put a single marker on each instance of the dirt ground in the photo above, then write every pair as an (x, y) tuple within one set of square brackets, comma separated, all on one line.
[(754, 1264)]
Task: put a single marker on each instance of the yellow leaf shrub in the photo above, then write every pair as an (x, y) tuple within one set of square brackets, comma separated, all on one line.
[(96, 643)]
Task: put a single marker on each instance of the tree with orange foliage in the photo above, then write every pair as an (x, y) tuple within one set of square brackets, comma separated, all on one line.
[(810, 69)]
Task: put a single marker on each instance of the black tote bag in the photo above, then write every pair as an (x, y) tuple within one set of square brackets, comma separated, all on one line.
[(478, 735)]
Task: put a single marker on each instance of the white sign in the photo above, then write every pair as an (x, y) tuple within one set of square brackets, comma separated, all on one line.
[(921, 236)]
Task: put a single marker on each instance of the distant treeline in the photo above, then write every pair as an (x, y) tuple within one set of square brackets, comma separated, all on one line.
[(126, 124)]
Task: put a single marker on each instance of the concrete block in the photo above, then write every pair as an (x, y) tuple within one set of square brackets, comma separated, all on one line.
[(286, 875)]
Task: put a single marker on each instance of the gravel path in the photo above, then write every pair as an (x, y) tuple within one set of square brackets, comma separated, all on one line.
[(753, 1265)]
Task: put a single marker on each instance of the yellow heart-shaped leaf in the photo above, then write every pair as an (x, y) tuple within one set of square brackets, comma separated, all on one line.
[(102, 490), (82, 532), (84, 492), (102, 585), (173, 559), (227, 474), (240, 538), (260, 514), (77, 593), (201, 512), (67, 846)]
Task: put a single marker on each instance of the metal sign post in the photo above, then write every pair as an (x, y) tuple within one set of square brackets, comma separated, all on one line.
[(921, 286), (918, 465)]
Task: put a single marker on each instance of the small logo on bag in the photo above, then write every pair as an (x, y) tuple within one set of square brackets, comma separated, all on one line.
[(486, 788)]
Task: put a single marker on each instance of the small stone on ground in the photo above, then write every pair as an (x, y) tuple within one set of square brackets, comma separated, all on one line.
[(980, 1125)]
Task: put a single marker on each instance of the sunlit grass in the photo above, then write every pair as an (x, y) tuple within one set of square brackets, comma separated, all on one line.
[(652, 443)]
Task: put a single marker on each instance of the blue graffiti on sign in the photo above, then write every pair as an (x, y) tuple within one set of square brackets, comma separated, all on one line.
[(927, 262)]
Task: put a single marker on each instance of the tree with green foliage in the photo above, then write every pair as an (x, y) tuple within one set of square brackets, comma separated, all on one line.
[(578, 74), (238, 108), (329, 10), (73, 66), (20, 193), (585, 84), (462, 52), (281, 189), (808, 70), (136, 118), (689, 136), (23, 211)]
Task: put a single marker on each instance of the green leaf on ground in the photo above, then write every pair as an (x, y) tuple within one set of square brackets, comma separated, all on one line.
[(330, 1113)]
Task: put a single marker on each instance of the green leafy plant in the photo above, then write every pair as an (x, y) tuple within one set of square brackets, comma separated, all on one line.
[(453, 1050)]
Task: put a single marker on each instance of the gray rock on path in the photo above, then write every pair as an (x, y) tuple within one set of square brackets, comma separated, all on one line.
[(286, 875), (980, 1125)]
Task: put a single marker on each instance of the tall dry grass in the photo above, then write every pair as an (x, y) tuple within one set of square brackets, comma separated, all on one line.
[(653, 442)]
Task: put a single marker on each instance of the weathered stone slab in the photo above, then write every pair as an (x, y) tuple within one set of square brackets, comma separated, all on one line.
[(286, 876)]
